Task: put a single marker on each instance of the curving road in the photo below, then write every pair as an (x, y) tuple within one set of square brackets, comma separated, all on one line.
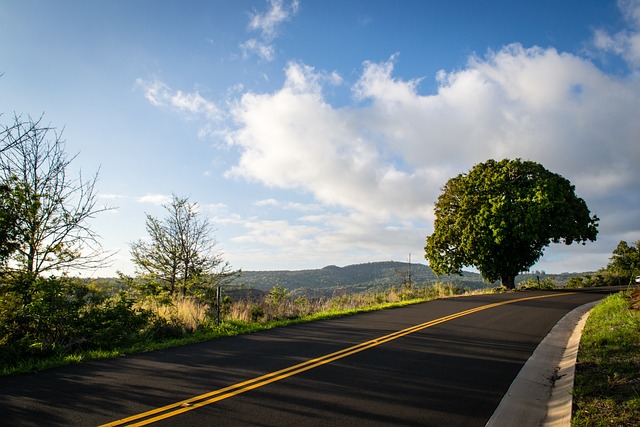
[(444, 362)]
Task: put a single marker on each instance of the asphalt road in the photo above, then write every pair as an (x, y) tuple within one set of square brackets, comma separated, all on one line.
[(450, 365)]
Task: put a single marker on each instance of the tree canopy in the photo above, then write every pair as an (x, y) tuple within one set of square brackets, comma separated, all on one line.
[(46, 211), (625, 261), (9, 231), (500, 216), (180, 252)]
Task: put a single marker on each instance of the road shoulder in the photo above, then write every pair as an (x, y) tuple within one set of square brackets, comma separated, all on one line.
[(541, 393)]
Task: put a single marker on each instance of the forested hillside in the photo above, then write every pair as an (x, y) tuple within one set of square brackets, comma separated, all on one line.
[(352, 278), (364, 277)]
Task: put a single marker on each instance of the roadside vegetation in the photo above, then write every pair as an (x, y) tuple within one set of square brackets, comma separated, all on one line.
[(607, 382), (622, 270), (123, 324)]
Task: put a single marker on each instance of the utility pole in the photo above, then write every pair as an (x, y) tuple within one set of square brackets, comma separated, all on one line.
[(409, 269)]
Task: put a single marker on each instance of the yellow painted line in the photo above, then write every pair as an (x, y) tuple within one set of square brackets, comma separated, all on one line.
[(190, 404)]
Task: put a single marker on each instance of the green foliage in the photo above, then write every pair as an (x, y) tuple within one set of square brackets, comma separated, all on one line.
[(278, 295), (500, 216), (625, 261), (115, 322), (600, 278), (605, 391), (257, 312), (579, 282), (351, 278), (11, 198), (108, 324), (622, 269), (180, 254), (40, 317), (50, 209), (537, 284)]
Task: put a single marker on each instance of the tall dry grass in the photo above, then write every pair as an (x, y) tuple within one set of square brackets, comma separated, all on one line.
[(186, 313), (190, 314)]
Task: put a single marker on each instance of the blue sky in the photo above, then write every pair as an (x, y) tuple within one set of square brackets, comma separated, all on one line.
[(320, 132)]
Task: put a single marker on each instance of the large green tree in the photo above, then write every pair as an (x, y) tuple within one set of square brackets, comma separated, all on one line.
[(501, 215)]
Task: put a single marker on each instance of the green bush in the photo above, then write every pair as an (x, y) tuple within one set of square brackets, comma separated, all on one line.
[(113, 323), (537, 284), (602, 277), (40, 317), (256, 313)]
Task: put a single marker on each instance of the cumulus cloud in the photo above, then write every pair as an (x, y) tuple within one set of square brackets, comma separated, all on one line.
[(268, 24), (387, 156), (294, 139), (376, 166), (383, 156)]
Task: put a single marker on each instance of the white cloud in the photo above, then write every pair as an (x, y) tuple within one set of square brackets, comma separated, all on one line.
[(155, 199), (386, 158), (263, 50), (380, 162), (267, 202), (294, 139), (317, 240), (269, 22), (278, 233), (215, 208), (631, 11), (625, 43), (190, 105), (295, 206), (109, 196), (268, 25)]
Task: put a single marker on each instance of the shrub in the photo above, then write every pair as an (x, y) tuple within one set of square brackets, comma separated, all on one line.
[(40, 317), (537, 284), (114, 322), (256, 313)]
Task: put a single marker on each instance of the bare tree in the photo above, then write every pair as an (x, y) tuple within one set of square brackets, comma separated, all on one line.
[(54, 233), (181, 251), (11, 135)]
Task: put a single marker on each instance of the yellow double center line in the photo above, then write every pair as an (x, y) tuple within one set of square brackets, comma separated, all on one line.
[(224, 393)]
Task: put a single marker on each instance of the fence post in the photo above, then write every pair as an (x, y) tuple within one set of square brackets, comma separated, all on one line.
[(218, 302)]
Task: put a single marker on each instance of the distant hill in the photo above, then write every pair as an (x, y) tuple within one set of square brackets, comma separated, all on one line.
[(352, 278), (372, 276), (366, 277)]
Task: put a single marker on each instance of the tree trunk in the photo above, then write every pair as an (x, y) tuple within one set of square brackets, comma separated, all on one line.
[(509, 281)]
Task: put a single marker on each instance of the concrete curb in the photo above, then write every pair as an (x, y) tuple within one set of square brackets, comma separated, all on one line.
[(541, 393)]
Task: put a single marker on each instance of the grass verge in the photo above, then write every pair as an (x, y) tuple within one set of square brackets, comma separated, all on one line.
[(607, 382)]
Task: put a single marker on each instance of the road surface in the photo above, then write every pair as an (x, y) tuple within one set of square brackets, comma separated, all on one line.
[(445, 362)]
